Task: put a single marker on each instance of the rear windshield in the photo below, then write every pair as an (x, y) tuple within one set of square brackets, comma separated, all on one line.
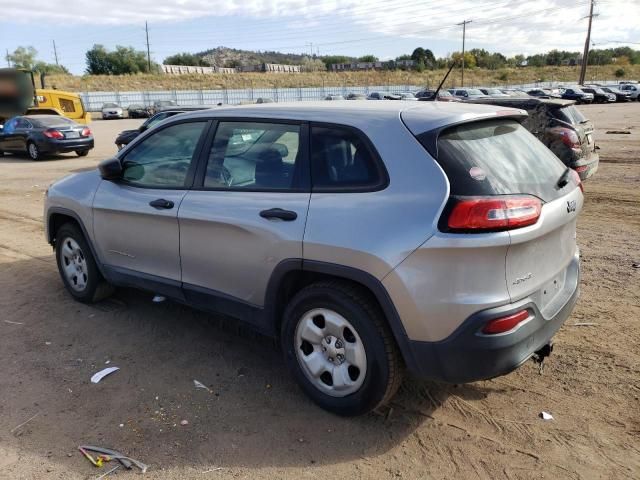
[(50, 121), (569, 114), (498, 157)]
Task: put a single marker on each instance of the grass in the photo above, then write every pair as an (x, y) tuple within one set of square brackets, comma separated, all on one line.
[(91, 83)]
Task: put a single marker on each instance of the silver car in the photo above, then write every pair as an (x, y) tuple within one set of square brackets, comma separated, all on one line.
[(368, 237), (112, 110)]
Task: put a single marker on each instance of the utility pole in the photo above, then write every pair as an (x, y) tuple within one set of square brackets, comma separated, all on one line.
[(585, 54), (7, 57), (55, 51), (146, 29), (464, 34)]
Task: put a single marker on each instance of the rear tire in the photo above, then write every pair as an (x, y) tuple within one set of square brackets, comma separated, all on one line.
[(82, 153), (33, 151), (77, 266), (339, 348)]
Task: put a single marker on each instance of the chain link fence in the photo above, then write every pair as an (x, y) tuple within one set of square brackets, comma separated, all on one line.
[(93, 101)]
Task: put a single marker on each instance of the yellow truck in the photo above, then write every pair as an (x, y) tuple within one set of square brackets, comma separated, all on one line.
[(18, 96)]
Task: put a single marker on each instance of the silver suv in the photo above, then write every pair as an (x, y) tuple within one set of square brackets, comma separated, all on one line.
[(368, 237)]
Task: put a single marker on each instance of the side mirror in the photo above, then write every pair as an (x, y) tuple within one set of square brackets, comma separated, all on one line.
[(110, 169), (142, 128)]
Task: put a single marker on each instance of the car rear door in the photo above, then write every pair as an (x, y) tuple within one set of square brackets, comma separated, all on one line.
[(246, 212), (135, 219)]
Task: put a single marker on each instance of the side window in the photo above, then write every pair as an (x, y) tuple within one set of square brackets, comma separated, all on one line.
[(67, 105), (163, 159), (10, 126), (341, 159), (254, 156), (22, 123)]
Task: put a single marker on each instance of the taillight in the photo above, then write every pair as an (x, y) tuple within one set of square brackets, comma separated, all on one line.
[(476, 214), (576, 177), (569, 137), (53, 133), (504, 324), (86, 132)]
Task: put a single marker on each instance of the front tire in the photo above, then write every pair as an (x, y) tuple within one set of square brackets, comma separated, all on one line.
[(33, 151), (78, 267), (82, 153), (339, 348)]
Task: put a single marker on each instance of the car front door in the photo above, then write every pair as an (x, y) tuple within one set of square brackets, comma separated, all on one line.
[(245, 214), (135, 219), (21, 134), (8, 137)]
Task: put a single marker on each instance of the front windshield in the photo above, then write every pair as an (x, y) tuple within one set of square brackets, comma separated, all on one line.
[(110, 105), (474, 91)]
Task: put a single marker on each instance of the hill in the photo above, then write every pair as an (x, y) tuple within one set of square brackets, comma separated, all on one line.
[(232, 57), (429, 78)]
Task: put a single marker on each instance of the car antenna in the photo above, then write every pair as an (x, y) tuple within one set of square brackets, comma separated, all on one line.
[(435, 95)]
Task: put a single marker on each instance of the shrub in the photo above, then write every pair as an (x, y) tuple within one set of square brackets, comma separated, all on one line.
[(619, 73)]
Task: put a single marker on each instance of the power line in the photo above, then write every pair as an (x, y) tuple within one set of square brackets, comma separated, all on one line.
[(464, 34), (55, 52), (585, 55), (146, 28)]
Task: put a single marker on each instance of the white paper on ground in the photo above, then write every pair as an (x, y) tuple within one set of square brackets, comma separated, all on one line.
[(103, 373), (546, 416), (201, 385)]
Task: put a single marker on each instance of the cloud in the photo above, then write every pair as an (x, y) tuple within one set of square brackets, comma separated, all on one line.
[(509, 26)]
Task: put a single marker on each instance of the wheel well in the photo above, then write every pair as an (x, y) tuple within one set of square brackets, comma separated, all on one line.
[(56, 220), (296, 280)]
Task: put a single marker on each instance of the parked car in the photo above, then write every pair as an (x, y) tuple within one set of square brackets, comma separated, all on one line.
[(440, 237), (621, 96), (126, 136), (334, 97), (560, 126), (112, 110), (356, 96), (633, 89), (383, 96), (544, 93), (575, 93), (138, 111), (493, 92), (160, 105), (466, 93), (427, 95), (408, 96), (42, 135), (514, 92), (599, 95)]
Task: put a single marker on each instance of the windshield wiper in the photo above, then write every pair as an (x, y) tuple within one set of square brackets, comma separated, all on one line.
[(563, 180)]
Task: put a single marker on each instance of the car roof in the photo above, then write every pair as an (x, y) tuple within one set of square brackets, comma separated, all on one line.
[(417, 116), (528, 103)]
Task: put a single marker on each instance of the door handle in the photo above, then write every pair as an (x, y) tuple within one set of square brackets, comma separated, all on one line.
[(161, 203), (286, 215)]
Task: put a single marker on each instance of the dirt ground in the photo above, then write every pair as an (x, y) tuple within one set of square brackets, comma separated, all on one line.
[(255, 422)]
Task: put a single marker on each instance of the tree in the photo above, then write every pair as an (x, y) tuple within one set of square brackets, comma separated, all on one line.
[(50, 68), (619, 73), (418, 55), (188, 59), (404, 57), (335, 59), (368, 58), (538, 60), (122, 61), (429, 59), (469, 59), (313, 65), (23, 57)]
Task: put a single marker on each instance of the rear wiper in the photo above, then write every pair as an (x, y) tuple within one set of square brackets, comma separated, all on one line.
[(563, 180)]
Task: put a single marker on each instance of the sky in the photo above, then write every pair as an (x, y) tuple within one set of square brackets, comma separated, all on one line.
[(385, 28)]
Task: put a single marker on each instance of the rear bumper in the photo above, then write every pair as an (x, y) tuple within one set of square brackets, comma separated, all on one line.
[(467, 355), (63, 146), (586, 167)]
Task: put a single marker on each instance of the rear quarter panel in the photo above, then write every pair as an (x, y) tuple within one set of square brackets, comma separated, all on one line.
[(375, 231)]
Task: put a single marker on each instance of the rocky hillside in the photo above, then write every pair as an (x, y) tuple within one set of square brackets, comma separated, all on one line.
[(232, 57)]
